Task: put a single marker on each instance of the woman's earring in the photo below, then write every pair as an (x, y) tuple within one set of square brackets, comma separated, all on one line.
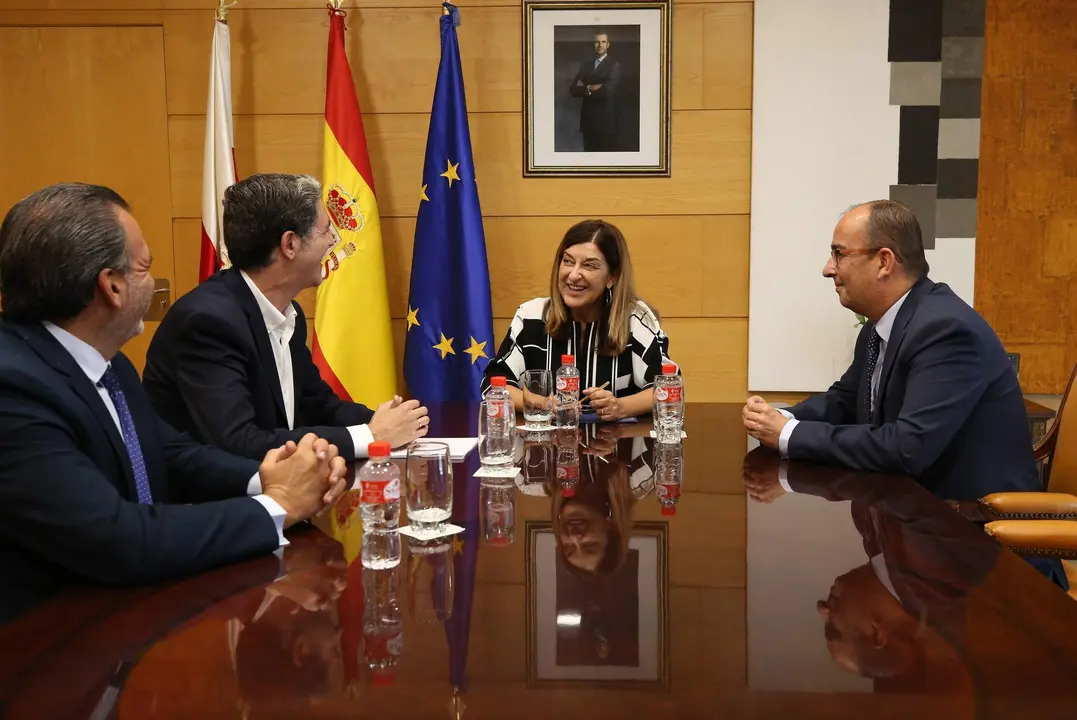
[(609, 296)]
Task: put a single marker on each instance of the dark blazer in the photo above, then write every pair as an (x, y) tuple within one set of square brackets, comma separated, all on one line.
[(68, 505), (951, 412), (210, 372), (598, 113)]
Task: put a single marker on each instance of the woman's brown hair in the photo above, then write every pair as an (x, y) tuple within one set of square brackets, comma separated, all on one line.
[(622, 297)]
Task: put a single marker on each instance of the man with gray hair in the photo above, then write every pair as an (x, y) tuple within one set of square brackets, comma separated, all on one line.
[(94, 487), (230, 364)]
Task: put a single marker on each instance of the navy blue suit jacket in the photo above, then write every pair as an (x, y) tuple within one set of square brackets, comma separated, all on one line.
[(68, 506), (951, 412), (210, 372)]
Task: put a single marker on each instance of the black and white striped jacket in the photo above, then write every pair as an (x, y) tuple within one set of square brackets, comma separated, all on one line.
[(528, 347)]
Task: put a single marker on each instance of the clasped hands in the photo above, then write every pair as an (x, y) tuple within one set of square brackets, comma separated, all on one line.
[(304, 478), (763, 422)]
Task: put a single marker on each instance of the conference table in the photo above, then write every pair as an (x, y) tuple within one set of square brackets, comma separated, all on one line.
[(707, 579)]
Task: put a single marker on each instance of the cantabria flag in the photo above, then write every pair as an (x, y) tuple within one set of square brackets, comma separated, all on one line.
[(353, 342), (218, 162)]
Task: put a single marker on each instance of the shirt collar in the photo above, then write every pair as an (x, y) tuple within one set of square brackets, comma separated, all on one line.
[(599, 59), (86, 355), (886, 322), (273, 318)]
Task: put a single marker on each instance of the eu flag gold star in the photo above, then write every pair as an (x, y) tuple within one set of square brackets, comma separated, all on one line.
[(457, 545), (450, 173), (422, 194), (445, 346), (413, 317), (477, 350)]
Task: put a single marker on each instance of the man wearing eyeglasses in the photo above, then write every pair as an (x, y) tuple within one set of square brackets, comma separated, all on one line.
[(930, 394)]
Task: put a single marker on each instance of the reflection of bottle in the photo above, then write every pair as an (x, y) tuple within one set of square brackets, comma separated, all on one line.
[(668, 472), (383, 624), (568, 459), (498, 514)]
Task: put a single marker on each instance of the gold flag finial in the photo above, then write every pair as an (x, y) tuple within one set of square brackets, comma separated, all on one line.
[(222, 10)]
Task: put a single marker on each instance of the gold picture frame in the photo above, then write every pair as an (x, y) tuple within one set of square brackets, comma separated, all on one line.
[(597, 88)]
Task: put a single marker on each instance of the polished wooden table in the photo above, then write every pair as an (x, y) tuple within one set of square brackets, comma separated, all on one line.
[(848, 595)]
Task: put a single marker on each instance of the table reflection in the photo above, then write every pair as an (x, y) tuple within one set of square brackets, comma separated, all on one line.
[(719, 584)]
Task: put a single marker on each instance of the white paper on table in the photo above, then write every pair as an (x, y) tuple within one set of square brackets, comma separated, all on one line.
[(510, 472), (459, 448), (447, 529), (683, 434)]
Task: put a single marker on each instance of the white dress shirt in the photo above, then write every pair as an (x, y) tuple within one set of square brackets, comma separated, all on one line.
[(94, 366), (884, 327), (281, 327)]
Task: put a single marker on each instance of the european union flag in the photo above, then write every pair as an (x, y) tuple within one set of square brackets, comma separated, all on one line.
[(450, 335)]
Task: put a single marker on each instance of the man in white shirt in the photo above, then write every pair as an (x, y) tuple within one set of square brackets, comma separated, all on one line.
[(94, 487), (229, 363), (930, 394)]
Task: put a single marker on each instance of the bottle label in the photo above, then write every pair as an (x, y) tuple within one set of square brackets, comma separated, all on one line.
[(568, 384), (668, 491), (378, 492), (496, 409), (568, 472), (662, 394)]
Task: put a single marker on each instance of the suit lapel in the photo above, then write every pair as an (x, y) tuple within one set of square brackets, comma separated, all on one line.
[(53, 353), (238, 286), (897, 334)]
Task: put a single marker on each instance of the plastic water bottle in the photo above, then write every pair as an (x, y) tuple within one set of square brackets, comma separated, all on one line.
[(567, 410), (668, 405), (379, 488), (500, 424)]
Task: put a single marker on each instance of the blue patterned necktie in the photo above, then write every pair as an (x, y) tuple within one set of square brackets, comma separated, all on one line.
[(873, 358), (110, 382)]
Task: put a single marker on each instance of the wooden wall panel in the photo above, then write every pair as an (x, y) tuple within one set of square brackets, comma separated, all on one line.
[(714, 59), (711, 160), (1026, 248), (278, 60)]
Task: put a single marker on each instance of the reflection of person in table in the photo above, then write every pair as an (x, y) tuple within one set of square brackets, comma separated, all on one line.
[(596, 83)]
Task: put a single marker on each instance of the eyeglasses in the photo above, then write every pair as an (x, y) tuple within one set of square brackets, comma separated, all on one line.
[(839, 254)]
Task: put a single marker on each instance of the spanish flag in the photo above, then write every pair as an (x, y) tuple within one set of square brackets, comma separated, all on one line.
[(353, 342)]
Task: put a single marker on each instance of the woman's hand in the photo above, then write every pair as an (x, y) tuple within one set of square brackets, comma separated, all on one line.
[(607, 405)]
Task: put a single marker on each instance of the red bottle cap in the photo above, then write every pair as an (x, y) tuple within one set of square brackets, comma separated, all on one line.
[(669, 510), (497, 381), (669, 369), (379, 448), (568, 359), (568, 492)]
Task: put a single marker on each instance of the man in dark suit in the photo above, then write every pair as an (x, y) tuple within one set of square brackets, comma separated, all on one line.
[(930, 393), (229, 363), (596, 82), (88, 471)]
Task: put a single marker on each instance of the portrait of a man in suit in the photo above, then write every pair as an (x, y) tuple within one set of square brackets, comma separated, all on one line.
[(598, 108)]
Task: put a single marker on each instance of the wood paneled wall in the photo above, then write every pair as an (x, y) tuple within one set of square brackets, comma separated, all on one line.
[(1026, 249), (688, 233)]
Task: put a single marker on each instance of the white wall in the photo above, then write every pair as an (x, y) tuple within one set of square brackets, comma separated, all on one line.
[(824, 137)]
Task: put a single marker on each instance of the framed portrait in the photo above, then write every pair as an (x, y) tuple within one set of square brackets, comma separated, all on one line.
[(597, 88), (598, 630)]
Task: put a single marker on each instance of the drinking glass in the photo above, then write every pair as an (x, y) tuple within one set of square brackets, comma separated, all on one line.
[(497, 435), (537, 387), (429, 485)]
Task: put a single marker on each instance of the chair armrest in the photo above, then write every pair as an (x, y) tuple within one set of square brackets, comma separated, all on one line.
[(1030, 506), (1045, 538)]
